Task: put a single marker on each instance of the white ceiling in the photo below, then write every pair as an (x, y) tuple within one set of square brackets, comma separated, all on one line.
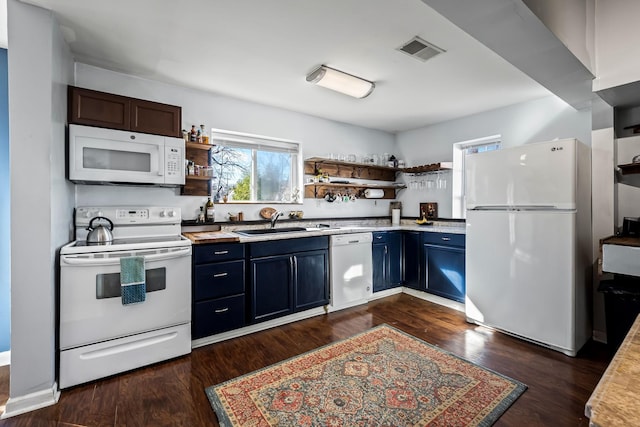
[(261, 51)]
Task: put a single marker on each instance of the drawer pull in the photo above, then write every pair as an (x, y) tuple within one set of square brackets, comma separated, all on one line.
[(221, 274), (221, 252), (378, 237), (446, 238), (221, 310)]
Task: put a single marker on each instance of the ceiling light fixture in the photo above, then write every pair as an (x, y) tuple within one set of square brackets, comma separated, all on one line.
[(341, 82)]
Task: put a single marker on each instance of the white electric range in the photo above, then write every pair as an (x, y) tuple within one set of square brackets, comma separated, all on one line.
[(100, 335)]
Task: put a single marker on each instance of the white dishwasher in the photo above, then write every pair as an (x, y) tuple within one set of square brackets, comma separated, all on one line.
[(351, 270)]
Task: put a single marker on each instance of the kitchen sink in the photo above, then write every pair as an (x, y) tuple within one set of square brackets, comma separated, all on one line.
[(270, 231)]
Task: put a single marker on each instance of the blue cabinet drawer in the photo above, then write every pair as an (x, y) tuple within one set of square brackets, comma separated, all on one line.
[(218, 315), (444, 239), (287, 246), (380, 237), (218, 280), (217, 252)]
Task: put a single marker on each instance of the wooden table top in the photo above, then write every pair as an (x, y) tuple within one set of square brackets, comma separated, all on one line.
[(614, 402), (202, 237)]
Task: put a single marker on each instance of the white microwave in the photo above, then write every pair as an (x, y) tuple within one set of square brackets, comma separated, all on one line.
[(105, 156)]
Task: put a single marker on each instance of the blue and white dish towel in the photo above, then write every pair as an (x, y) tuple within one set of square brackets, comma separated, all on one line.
[(132, 280)]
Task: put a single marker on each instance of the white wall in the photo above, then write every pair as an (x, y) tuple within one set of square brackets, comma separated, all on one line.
[(617, 35), (539, 120), (602, 199), (318, 137), (573, 22), (40, 66), (3, 24)]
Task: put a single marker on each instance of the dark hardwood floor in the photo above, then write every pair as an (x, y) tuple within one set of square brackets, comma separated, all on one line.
[(172, 393)]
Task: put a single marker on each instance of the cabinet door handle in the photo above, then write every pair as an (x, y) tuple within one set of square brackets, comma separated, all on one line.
[(446, 239), (221, 252), (378, 237), (221, 274), (221, 310)]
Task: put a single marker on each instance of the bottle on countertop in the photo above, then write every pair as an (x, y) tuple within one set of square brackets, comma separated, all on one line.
[(201, 215), (210, 211)]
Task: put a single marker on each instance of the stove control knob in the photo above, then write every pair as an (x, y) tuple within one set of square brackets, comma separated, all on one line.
[(87, 214), (172, 214), (163, 214)]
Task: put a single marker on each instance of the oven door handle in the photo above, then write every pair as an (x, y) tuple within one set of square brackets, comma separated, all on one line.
[(70, 260)]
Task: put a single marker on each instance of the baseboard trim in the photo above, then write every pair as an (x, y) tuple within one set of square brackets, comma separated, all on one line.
[(386, 293), (435, 299), (599, 336), (31, 402), (5, 358)]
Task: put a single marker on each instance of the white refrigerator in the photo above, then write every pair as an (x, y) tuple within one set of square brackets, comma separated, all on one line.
[(528, 243)]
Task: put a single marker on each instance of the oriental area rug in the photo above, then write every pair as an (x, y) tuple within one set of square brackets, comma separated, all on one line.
[(382, 377)]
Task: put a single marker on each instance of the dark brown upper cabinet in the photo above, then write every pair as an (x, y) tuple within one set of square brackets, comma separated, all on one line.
[(107, 110)]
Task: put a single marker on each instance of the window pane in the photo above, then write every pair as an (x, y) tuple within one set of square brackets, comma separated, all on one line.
[(232, 173), (274, 176), (482, 148), (253, 168)]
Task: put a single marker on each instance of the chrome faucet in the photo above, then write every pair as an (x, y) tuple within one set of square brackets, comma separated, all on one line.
[(274, 218)]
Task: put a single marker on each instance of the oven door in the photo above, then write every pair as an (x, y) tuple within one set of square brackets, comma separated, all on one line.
[(107, 155), (91, 308)]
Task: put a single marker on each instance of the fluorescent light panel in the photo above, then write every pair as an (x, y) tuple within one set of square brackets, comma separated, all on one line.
[(341, 82)]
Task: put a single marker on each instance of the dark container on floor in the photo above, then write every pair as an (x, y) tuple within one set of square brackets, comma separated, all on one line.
[(621, 305)]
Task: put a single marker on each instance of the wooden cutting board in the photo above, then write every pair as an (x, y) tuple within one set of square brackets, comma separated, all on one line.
[(267, 212), (200, 237)]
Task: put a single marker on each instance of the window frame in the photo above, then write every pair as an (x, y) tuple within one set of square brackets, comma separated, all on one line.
[(257, 143)]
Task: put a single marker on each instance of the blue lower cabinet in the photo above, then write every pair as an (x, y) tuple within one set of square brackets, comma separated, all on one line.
[(379, 256), (311, 280), (287, 276), (218, 315), (219, 279), (218, 289), (444, 265), (387, 260), (412, 260), (272, 287)]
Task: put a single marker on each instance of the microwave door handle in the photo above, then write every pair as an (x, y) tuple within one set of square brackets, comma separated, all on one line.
[(114, 261), (161, 159)]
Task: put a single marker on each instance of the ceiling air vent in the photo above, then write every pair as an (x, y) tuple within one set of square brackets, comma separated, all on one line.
[(420, 49)]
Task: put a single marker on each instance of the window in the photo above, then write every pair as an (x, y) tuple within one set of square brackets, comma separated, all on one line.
[(460, 151), (255, 169)]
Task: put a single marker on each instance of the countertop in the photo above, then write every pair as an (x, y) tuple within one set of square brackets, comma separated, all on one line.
[(621, 240), (222, 236), (614, 402)]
